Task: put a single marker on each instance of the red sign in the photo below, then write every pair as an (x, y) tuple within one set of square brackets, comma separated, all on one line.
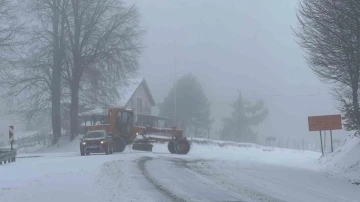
[(11, 134), (328, 122)]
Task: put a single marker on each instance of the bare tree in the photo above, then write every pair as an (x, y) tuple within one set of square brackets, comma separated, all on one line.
[(35, 74), (103, 38), (72, 48), (100, 89), (52, 14), (10, 28), (329, 33), (9, 25), (28, 79)]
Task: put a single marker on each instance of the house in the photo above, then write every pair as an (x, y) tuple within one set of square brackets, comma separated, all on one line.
[(135, 95)]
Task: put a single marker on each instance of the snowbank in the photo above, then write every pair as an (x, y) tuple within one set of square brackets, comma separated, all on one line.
[(29, 149), (232, 151), (64, 145), (19, 135), (203, 141), (32, 147), (345, 161)]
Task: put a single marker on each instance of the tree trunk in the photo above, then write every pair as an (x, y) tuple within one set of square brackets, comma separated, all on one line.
[(74, 108), (56, 74), (55, 105), (355, 102)]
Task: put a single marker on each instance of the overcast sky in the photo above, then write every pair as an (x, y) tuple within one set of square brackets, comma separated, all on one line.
[(230, 45), (235, 44)]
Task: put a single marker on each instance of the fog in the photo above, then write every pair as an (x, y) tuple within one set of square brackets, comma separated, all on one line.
[(232, 45), (236, 45)]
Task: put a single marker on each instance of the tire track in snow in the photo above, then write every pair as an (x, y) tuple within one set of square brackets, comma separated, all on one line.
[(189, 185), (328, 196), (122, 180), (241, 189), (107, 181), (158, 186)]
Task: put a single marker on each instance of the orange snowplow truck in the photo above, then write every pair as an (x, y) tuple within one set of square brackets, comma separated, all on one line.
[(120, 126)]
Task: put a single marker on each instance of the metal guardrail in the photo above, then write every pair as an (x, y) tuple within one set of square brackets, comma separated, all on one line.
[(7, 155)]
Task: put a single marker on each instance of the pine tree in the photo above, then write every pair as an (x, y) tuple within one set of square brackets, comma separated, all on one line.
[(245, 115), (192, 105)]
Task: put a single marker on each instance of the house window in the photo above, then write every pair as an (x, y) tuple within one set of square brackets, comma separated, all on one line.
[(139, 105), (146, 106)]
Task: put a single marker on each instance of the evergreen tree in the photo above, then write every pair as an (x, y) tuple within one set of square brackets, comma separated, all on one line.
[(245, 115), (192, 105)]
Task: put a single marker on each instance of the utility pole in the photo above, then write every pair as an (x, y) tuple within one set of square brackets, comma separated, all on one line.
[(175, 89), (239, 116)]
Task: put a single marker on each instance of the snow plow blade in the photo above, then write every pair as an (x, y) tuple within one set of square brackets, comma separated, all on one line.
[(142, 147)]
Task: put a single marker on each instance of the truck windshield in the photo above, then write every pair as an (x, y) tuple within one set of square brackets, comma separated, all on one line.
[(95, 134)]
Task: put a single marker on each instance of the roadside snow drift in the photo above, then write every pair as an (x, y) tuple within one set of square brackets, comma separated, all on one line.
[(232, 151), (345, 161)]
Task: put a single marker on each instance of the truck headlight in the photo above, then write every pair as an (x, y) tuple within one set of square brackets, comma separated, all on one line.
[(84, 143)]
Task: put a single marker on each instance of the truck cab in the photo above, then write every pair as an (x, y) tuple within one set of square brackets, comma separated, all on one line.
[(120, 125)]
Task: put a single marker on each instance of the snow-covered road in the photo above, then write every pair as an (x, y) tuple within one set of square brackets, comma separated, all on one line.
[(159, 176)]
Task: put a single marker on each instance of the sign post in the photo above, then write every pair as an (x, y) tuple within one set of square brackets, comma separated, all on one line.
[(11, 136), (325, 139), (321, 144), (332, 148), (323, 123)]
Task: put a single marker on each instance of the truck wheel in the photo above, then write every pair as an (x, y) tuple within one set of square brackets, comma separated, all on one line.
[(112, 149), (182, 146), (120, 144), (107, 151), (171, 146)]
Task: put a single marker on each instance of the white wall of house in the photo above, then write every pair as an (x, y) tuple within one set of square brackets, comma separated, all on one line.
[(140, 101)]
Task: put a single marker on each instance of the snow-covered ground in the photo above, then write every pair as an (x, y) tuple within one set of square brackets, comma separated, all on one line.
[(26, 134), (210, 172), (344, 163), (272, 182), (64, 145)]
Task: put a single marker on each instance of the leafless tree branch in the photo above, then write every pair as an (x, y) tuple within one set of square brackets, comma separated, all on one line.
[(329, 33)]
